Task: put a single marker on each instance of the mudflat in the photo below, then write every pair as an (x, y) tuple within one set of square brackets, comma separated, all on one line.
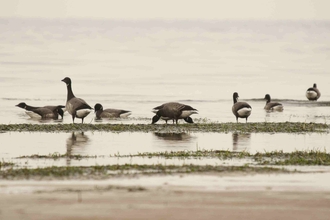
[(92, 201)]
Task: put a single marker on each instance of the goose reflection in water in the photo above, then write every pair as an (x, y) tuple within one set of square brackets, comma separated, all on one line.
[(173, 136), (182, 140), (241, 141), (75, 144)]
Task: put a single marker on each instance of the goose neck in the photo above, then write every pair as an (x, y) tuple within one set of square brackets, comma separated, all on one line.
[(234, 99), (70, 93)]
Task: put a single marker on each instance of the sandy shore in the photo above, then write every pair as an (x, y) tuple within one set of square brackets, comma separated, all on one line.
[(169, 197), (166, 204)]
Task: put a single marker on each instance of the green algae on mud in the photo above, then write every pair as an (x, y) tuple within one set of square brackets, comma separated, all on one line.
[(56, 156), (313, 157), (301, 158), (6, 164), (284, 127), (108, 171)]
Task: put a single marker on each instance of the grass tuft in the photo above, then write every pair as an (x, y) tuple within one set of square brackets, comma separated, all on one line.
[(287, 127), (108, 171)]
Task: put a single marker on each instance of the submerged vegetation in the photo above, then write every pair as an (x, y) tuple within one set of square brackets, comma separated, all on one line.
[(295, 158), (288, 127), (254, 163), (56, 156), (313, 157), (268, 158), (6, 164), (267, 162)]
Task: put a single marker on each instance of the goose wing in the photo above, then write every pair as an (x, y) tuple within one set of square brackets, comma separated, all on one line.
[(241, 105), (44, 112), (114, 113), (78, 104), (156, 109), (273, 106), (54, 107)]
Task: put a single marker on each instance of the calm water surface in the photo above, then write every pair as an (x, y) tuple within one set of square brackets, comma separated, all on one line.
[(137, 65)]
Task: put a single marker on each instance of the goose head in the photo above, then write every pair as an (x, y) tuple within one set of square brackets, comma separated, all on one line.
[(60, 112), (267, 97), (155, 119), (235, 97), (21, 105), (188, 120), (98, 107), (67, 81)]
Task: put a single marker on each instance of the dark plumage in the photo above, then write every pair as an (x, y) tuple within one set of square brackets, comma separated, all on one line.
[(109, 113), (173, 111), (75, 106), (272, 106), (240, 109), (313, 93), (46, 112)]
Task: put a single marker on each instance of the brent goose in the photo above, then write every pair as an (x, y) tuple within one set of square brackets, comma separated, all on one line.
[(240, 109), (46, 112), (173, 111), (272, 106), (313, 93), (109, 112), (75, 106)]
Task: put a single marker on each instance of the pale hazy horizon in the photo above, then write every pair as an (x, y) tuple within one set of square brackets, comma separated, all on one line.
[(171, 9)]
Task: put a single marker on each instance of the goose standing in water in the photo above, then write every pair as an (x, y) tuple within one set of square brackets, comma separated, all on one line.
[(240, 109), (313, 93), (272, 106), (109, 112), (173, 111), (46, 112), (75, 106)]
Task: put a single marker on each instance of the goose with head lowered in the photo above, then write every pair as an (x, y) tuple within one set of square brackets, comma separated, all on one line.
[(76, 107), (272, 106), (109, 112), (313, 93), (173, 111), (46, 112), (241, 109)]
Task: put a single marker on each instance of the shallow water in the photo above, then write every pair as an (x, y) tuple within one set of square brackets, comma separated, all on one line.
[(102, 145), (137, 65), (307, 182)]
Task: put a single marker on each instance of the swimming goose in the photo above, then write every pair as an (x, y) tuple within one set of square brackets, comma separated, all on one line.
[(313, 93), (272, 106), (46, 112), (75, 106), (173, 111), (109, 113), (240, 109)]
